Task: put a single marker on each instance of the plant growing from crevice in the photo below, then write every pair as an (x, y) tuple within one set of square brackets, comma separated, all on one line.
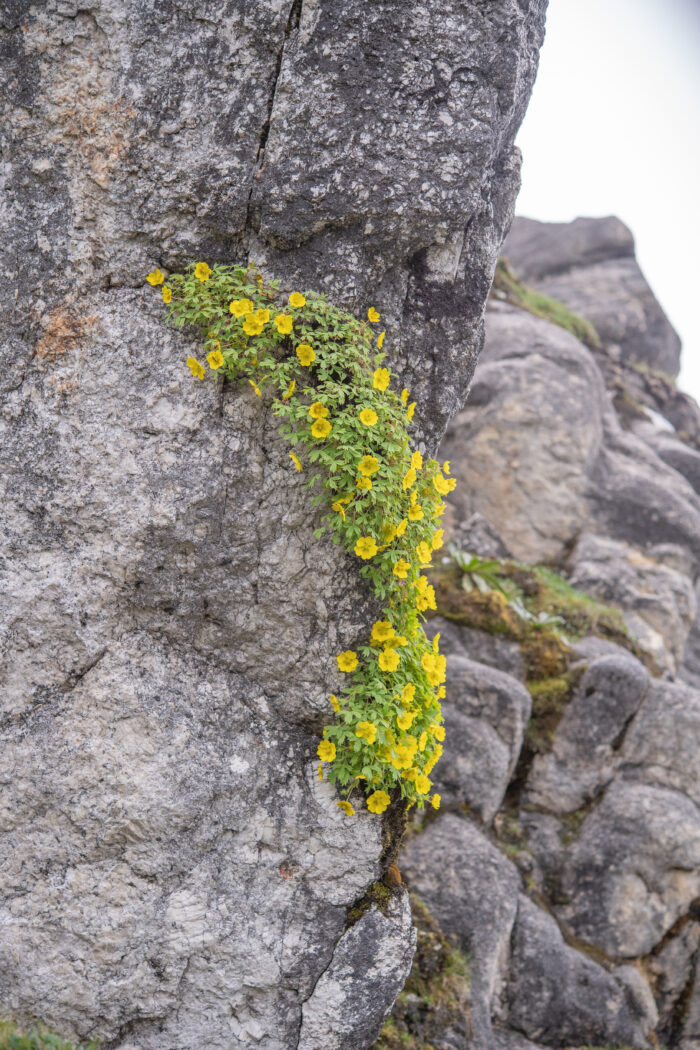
[(381, 501)]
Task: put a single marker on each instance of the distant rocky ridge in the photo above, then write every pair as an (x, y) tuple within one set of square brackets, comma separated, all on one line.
[(566, 859)]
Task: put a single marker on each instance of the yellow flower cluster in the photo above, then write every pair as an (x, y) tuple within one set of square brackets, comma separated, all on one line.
[(383, 499)]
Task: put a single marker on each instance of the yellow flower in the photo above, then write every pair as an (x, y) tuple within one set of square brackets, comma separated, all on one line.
[(438, 732), (378, 802), (409, 692), (320, 772), (388, 534), (326, 751), (215, 359), (290, 390), (252, 326), (195, 368), (446, 467), (167, 293), (423, 741), (410, 410), (334, 702), (240, 307), (405, 719), (346, 808), (202, 272), (401, 568), (305, 354), (405, 395), (364, 484), (284, 323), (380, 340), (388, 660), (441, 484), (366, 731), (409, 479), (368, 465), (424, 553), (295, 460), (382, 631), (255, 387), (422, 784), (321, 428), (339, 508), (441, 693), (262, 315), (155, 278), (433, 759), (297, 300), (435, 668), (416, 460), (426, 599), (435, 801), (415, 513), (347, 661), (437, 539), (381, 378), (365, 547), (368, 416), (318, 410), (401, 527), (372, 315)]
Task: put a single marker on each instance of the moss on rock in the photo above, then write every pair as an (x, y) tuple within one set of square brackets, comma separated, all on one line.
[(506, 286), (36, 1037)]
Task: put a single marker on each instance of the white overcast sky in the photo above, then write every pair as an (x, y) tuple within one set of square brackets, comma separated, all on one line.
[(613, 128)]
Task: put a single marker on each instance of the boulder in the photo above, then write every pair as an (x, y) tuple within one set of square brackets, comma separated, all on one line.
[(589, 264), (472, 890), (485, 712), (634, 869), (558, 996)]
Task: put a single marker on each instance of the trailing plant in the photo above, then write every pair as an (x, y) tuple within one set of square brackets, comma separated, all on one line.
[(382, 501)]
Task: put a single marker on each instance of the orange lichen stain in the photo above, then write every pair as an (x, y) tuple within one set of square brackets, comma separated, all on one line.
[(64, 330)]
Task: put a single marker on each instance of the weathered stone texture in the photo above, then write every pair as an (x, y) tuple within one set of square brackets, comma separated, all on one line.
[(171, 873)]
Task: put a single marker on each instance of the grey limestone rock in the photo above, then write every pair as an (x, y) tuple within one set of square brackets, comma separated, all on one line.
[(528, 436), (634, 869), (370, 964), (449, 866), (486, 712), (558, 996), (585, 749), (589, 264), (171, 872), (653, 587)]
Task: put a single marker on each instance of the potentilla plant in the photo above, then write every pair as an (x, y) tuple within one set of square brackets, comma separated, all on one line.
[(349, 432)]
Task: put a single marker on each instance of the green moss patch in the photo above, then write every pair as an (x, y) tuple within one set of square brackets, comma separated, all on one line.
[(506, 286), (13, 1037), (436, 995)]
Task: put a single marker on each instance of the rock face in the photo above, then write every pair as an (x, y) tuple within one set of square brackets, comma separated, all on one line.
[(171, 872), (589, 264), (568, 863)]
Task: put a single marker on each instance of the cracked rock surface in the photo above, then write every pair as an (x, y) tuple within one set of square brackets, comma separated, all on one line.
[(171, 871)]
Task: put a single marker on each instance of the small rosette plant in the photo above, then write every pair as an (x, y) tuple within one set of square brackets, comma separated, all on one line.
[(349, 432)]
